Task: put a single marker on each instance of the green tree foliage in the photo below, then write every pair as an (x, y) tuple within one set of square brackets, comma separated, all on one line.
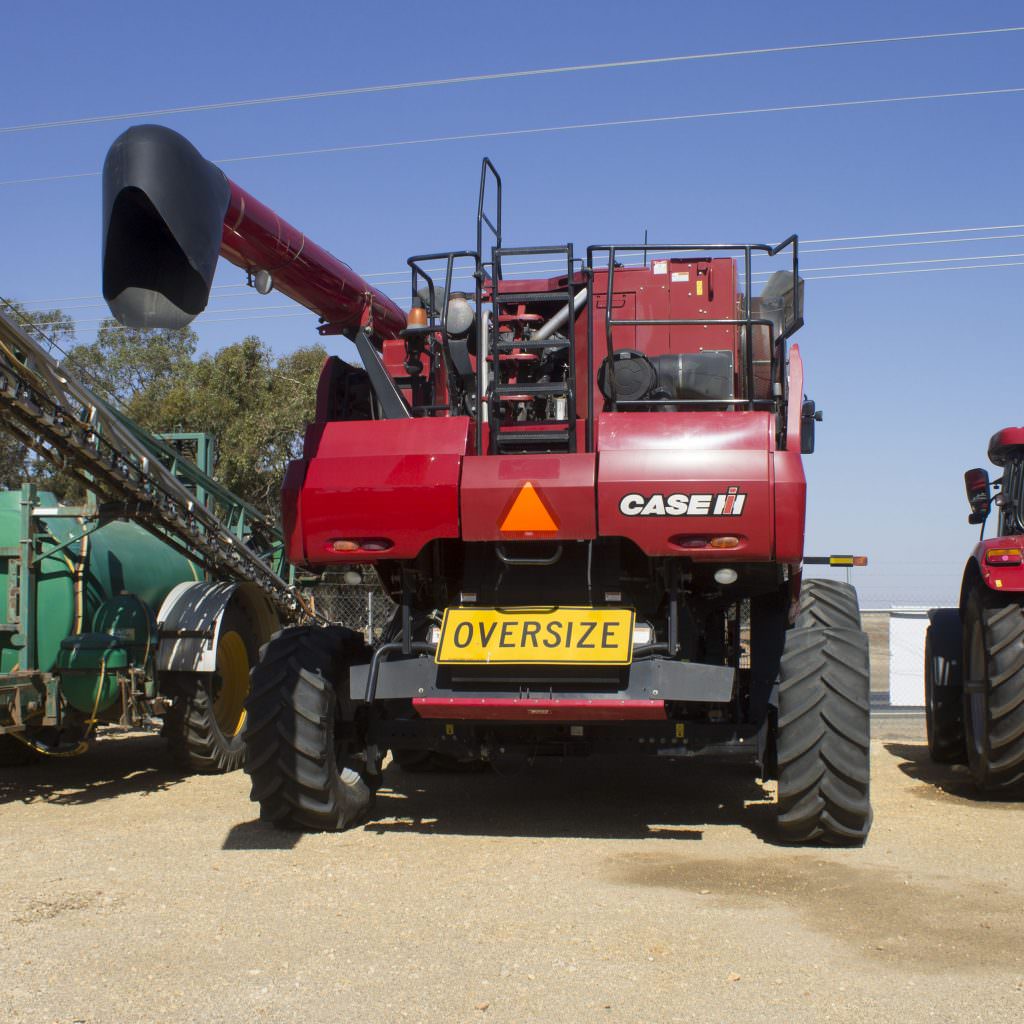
[(18, 464), (255, 405), (134, 368)]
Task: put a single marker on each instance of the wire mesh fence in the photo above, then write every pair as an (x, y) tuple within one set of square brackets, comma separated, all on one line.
[(363, 606)]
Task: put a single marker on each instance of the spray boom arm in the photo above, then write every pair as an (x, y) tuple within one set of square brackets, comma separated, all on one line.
[(168, 213)]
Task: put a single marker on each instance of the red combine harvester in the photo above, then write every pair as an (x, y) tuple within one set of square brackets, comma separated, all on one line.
[(585, 493), (974, 654)]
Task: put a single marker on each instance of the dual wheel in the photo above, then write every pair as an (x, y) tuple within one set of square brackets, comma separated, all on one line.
[(974, 688)]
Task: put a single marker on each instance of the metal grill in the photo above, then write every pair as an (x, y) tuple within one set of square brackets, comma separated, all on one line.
[(364, 607)]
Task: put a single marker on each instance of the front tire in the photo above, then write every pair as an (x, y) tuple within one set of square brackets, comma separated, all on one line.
[(993, 661), (301, 745), (824, 726), (827, 603), (943, 687)]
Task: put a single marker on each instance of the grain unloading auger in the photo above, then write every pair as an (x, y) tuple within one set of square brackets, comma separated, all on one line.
[(585, 494), (107, 615)]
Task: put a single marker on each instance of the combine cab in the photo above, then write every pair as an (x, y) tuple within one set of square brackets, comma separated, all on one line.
[(974, 654), (584, 492)]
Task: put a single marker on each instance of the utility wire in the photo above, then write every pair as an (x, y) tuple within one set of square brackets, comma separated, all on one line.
[(804, 250), (431, 83), (213, 319), (553, 129)]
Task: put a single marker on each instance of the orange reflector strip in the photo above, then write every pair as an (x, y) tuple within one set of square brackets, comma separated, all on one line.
[(1003, 556), (528, 514)]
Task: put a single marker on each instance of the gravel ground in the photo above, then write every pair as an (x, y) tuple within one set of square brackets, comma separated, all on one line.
[(586, 891)]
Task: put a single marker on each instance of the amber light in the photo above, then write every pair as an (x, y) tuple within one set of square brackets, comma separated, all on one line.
[(1003, 556), (725, 542), (345, 545)]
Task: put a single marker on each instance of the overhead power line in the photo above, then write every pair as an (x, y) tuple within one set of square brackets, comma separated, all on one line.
[(496, 76), (552, 129), (399, 275), (212, 316)]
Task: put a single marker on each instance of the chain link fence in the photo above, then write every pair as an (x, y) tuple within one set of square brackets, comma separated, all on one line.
[(361, 605)]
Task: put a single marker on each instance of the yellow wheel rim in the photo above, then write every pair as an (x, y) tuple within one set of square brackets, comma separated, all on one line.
[(233, 669)]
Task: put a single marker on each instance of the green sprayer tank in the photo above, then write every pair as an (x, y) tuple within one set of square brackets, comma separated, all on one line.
[(95, 603)]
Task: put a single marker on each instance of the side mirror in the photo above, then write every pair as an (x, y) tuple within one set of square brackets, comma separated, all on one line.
[(979, 495), (809, 415)]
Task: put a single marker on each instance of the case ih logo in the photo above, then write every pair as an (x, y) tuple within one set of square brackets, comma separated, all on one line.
[(728, 504)]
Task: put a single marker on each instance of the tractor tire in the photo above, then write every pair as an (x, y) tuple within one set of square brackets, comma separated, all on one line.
[(206, 723), (943, 687), (301, 748), (827, 603), (823, 737), (993, 685)]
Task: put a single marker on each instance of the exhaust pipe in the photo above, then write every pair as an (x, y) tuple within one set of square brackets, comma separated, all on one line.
[(168, 213)]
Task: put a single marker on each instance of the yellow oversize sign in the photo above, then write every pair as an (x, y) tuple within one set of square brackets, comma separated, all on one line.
[(536, 636)]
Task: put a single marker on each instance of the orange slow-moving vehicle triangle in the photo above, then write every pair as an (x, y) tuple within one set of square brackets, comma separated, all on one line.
[(528, 513)]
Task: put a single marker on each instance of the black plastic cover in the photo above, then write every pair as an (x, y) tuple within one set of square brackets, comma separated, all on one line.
[(163, 217)]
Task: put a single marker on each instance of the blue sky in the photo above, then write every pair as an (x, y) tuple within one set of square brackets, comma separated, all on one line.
[(914, 371)]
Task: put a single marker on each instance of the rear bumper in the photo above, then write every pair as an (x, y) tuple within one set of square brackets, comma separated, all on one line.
[(533, 709), (536, 692)]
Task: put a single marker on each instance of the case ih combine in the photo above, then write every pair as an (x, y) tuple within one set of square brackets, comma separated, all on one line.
[(974, 654), (585, 493)]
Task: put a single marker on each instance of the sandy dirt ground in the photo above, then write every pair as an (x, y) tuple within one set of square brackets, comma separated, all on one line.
[(580, 891)]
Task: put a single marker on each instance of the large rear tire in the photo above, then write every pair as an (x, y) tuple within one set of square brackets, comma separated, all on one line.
[(824, 725), (827, 603), (943, 687), (301, 745), (206, 723), (993, 688)]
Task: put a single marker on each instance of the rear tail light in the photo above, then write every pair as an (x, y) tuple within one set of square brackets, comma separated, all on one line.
[(347, 545), (1003, 556), (690, 543)]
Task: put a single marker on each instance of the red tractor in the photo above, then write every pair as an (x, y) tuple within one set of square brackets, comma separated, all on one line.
[(584, 493), (974, 654)]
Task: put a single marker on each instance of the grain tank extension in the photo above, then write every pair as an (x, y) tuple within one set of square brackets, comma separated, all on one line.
[(584, 492)]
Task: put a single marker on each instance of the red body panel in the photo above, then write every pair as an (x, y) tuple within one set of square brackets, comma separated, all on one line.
[(695, 454), (790, 492), (528, 709), (564, 483), (393, 479), (1003, 579), (670, 482)]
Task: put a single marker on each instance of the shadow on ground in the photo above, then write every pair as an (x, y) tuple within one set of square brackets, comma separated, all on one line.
[(596, 798), (950, 779), (260, 835), (112, 767)]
